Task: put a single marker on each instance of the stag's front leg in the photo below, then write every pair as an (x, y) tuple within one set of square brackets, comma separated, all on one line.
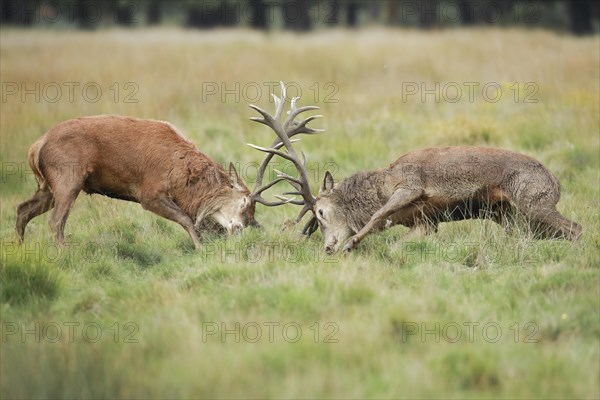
[(401, 198), (166, 208)]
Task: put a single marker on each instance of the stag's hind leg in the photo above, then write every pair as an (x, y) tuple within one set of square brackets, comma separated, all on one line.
[(570, 230), (550, 224), (545, 222), (63, 202), (537, 202), (42, 201)]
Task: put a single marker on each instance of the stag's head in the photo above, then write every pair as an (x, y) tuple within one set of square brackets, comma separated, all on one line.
[(330, 217), (235, 208)]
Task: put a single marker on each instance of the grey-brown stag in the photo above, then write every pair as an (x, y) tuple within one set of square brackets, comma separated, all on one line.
[(442, 184), (419, 190)]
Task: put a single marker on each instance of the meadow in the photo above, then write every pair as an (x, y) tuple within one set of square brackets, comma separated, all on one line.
[(129, 310)]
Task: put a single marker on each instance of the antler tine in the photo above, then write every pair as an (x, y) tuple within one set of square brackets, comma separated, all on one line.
[(279, 102), (266, 117), (293, 181), (300, 127), (311, 226), (268, 186), (263, 166), (290, 200), (267, 203), (294, 112), (281, 154)]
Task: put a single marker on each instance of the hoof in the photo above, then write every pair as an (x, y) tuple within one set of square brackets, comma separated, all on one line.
[(350, 245)]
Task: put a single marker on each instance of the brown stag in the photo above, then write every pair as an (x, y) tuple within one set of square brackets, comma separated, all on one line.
[(419, 190), (144, 161)]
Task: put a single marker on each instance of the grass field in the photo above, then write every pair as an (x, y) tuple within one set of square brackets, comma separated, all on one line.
[(128, 309)]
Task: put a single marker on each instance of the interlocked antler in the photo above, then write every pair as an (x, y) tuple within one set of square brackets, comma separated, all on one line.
[(285, 132)]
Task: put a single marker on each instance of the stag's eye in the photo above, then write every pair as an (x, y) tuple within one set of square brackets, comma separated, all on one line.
[(321, 213)]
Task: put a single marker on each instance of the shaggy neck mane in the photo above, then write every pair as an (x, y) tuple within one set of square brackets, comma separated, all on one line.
[(359, 197), (198, 185)]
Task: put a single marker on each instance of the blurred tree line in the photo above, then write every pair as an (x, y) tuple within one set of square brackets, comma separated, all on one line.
[(580, 17)]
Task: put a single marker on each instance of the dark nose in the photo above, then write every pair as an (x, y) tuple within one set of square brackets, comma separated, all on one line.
[(328, 249)]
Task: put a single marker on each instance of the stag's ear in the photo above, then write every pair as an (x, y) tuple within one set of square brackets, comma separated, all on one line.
[(327, 185), (235, 178)]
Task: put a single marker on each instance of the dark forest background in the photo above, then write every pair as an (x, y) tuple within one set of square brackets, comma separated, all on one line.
[(578, 17)]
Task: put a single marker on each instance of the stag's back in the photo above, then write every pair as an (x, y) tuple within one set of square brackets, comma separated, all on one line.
[(456, 173), (106, 139), (119, 156)]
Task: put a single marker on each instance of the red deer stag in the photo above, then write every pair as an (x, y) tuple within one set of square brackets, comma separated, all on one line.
[(143, 161), (428, 186), (419, 190)]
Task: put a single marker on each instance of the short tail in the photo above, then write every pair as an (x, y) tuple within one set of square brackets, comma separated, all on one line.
[(33, 156)]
